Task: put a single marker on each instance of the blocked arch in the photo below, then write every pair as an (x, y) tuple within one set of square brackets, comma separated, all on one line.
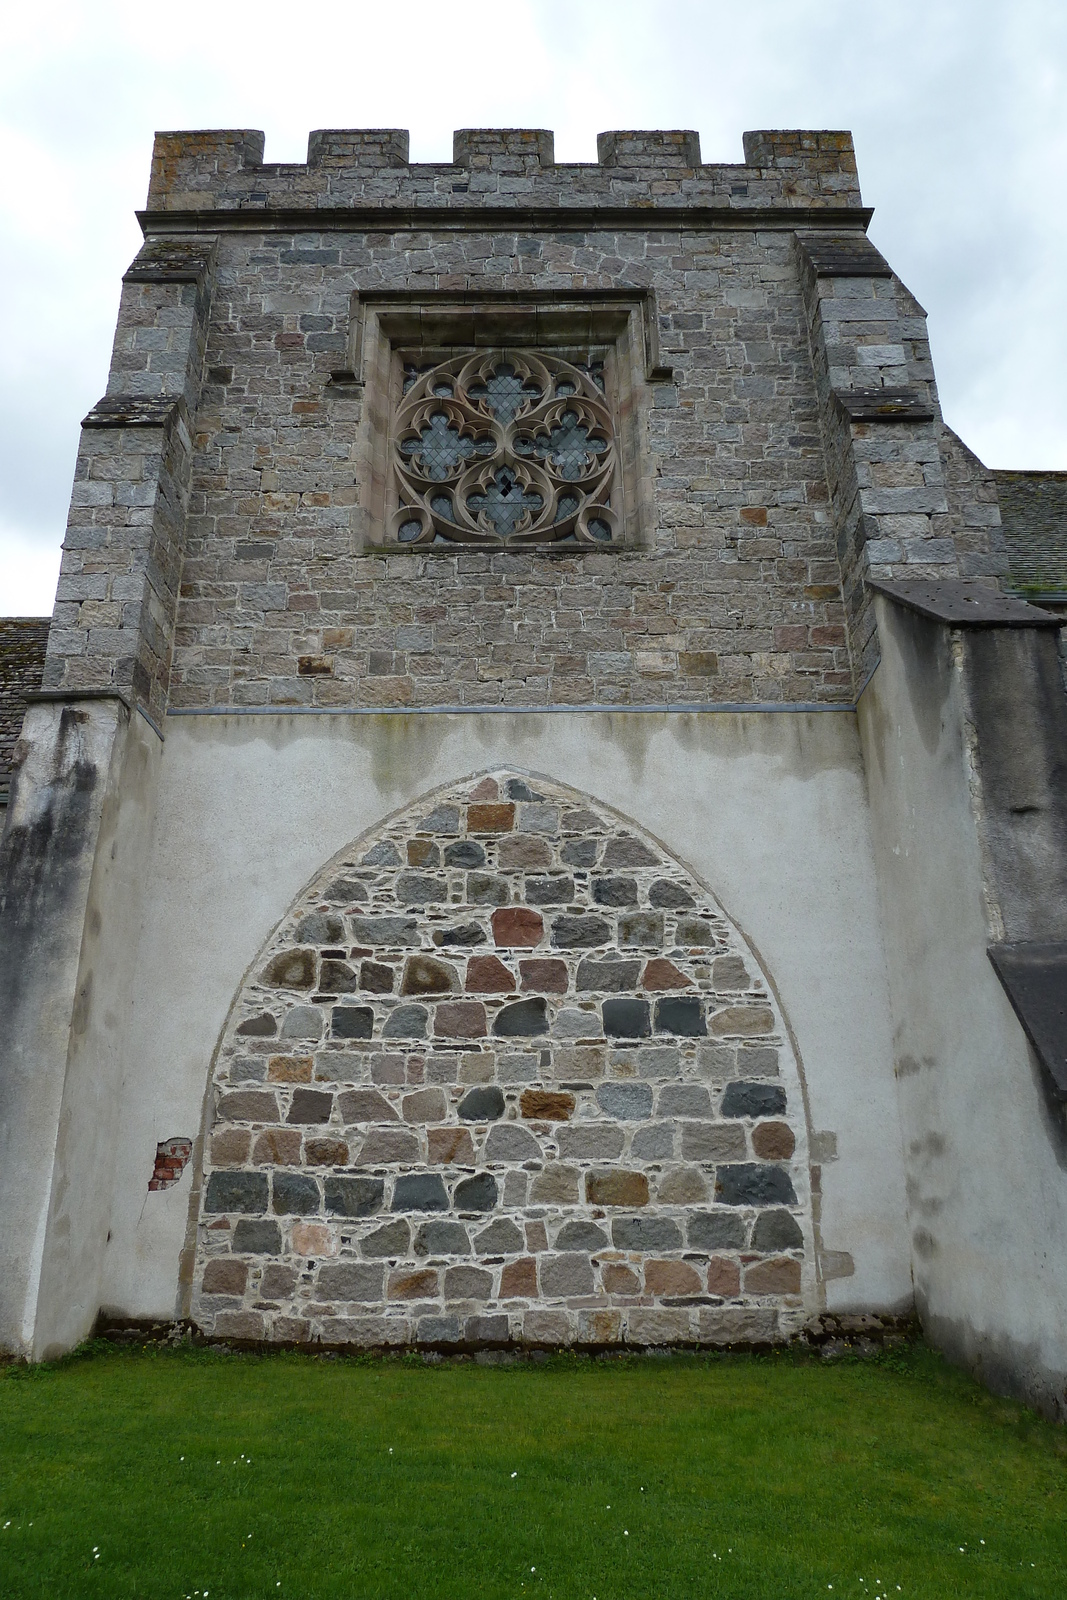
[(505, 1073)]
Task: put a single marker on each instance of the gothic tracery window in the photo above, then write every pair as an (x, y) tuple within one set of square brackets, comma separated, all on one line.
[(502, 446)]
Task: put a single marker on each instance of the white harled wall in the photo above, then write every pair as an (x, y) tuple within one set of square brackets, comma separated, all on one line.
[(768, 808)]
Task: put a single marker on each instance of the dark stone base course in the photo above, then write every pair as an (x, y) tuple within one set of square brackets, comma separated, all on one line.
[(859, 1334)]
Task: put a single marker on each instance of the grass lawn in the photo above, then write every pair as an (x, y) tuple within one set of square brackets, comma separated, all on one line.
[(161, 1474)]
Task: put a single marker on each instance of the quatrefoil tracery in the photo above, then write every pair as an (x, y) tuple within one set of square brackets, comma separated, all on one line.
[(510, 446)]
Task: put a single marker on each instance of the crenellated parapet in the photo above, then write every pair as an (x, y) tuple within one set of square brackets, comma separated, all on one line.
[(661, 170)]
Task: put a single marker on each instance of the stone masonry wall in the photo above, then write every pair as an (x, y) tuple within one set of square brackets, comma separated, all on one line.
[(737, 598), (506, 1073), (23, 641)]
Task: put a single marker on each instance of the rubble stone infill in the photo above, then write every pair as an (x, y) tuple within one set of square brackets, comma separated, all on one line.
[(506, 1074)]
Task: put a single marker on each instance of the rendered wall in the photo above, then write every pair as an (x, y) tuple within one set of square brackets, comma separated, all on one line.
[(72, 866), (768, 810), (985, 1154)]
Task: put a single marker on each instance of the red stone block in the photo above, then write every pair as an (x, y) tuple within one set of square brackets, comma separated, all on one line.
[(487, 789), (619, 1280), (223, 1275), (460, 1019), (671, 1277), (544, 975), (773, 1141), (450, 1144), (517, 928), (519, 1280), (405, 1284), (724, 1276), (546, 1105), (663, 974), (778, 1276), (488, 975), (616, 1189), (491, 818)]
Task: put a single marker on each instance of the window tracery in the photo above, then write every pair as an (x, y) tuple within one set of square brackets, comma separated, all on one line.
[(505, 446)]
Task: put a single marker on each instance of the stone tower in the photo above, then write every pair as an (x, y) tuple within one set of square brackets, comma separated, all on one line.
[(532, 756)]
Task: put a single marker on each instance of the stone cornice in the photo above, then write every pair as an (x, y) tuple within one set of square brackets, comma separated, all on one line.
[(512, 219)]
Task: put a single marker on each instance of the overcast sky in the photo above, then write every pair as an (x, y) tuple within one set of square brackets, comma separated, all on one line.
[(957, 107)]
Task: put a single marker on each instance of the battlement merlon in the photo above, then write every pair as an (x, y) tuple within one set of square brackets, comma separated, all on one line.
[(502, 168)]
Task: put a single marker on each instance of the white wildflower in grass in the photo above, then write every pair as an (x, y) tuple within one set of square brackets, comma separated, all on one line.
[(514, 1474)]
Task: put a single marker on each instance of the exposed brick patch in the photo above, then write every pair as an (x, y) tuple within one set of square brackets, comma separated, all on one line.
[(172, 1156)]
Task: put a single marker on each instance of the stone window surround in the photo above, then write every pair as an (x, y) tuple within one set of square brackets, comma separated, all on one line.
[(618, 327)]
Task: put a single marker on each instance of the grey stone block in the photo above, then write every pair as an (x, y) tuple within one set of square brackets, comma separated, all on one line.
[(577, 1235), (478, 1193), (579, 933), (483, 1104), (641, 928), (710, 1141), (486, 1330), (303, 1022), (522, 1020), (236, 1191), (351, 1022), (554, 891), (365, 1105), (684, 1100), (626, 1018), (591, 1141), (439, 1330), (753, 1100), (468, 1283), (420, 889), (776, 1230), (629, 1101), (350, 1280), (464, 853), (566, 1275), (615, 891), (406, 1022), (420, 1191), (293, 1194), (392, 932), (654, 1143), (750, 1184), (672, 895), (392, 1239), (715, 1230), (607, 976), (645, 1233), (508, 1141), (353, 1197), (501, 1238), (442, 1239), (681, 1014), (257, 1238)]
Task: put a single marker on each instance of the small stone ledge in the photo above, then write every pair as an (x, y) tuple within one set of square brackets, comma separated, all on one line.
[(170, 261), (843, 255), (884, 405), (131, 411), (963, 603)]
